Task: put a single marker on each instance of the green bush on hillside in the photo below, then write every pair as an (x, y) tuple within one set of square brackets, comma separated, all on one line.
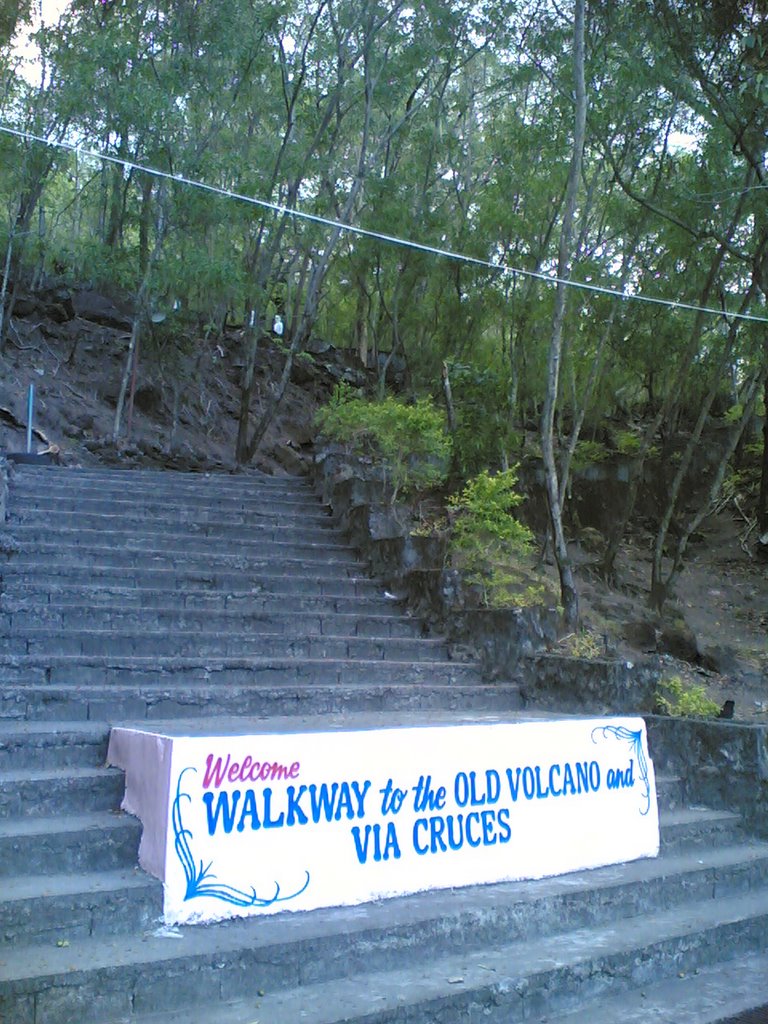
[(410, 440), (683, 701), (490, 545)]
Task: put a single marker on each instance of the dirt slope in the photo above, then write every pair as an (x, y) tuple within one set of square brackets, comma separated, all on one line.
[(72, 347)]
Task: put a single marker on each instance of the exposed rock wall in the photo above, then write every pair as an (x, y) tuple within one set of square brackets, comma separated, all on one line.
[(722, 764), (510, 643)]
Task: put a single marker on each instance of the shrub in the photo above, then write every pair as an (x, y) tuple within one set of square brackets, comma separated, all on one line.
[(588, 452), (583, 644), (685, 701), (409, 440), (627, 442), (490, 545)]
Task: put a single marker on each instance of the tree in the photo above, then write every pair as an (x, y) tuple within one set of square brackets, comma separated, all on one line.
[(568, 592)]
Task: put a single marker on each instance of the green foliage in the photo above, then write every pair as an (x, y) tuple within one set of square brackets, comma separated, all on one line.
[(583, 644), (680, 700), (409, 440), (627, 442), (483, 422), (491, 546), (588, 452)]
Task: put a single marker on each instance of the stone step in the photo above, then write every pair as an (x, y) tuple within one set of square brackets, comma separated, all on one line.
[(147, 643), (45, 478), (500, 952), (52, 745), (730, 992), (76, 606), (700, 827), (193, 585), (172, 507), (537, 981), (297, 621), (287, 559), (83, 531), (69, 907), (35, 493), (406, 692), (45, 908), (83, 842), (43, 792)]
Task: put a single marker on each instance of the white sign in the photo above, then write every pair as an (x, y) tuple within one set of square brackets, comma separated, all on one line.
[(266, 823)]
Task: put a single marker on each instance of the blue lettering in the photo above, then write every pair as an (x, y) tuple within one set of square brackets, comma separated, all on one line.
[(223, 808), (461, 789), (296, 814), (419, 824), (391, 843), (361, 846), (505, 832), (539, 794), (594, 776), (345, 802), (360, 795), (492, 786), (514, 782), (477, 801), (436, 828), (552, 769), (489, 836), (249, 811), (582, 777), (455, 841), (473, 816), (568, 779), (269, 821), (323, 801), (529, 783)]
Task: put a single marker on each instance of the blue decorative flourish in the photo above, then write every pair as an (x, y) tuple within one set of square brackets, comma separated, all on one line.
[(635, 739), (200, 878)]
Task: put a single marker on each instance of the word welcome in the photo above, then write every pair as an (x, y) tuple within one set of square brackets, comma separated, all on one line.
[(219, 771)]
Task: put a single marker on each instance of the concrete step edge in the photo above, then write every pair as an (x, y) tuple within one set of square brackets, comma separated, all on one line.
[(151, 478), (481, 969), (513, 984), (29, 887)]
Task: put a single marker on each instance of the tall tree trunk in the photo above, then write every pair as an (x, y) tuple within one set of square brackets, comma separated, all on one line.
[(693, 346), (568, 592), (663, 586), (762, 501), (659, 587), (139, 316)]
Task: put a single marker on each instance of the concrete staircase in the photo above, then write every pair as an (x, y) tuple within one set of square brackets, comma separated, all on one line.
[(135, 595)]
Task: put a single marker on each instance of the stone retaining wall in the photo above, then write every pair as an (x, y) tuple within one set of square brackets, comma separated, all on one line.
[(510, 643), (723, 764)]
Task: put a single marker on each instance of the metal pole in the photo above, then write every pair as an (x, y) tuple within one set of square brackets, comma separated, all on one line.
[(30, 413)]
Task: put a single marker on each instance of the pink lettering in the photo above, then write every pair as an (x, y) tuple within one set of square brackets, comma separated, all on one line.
[(218, 771), (215, 774)]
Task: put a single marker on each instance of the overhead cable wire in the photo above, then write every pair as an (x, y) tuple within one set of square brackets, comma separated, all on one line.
[(405, 243)]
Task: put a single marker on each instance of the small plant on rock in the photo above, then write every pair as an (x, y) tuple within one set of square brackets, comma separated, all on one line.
[(490, 545), (583, 644), (409, 440), (675, 698)]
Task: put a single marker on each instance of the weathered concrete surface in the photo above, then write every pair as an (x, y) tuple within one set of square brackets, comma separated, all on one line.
[(509, 643), (724, 764), (590, 685), (76, 919), (414, 568), (3, 489)]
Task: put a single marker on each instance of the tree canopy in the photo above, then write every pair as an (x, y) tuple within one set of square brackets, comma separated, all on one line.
[(454, 124)]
